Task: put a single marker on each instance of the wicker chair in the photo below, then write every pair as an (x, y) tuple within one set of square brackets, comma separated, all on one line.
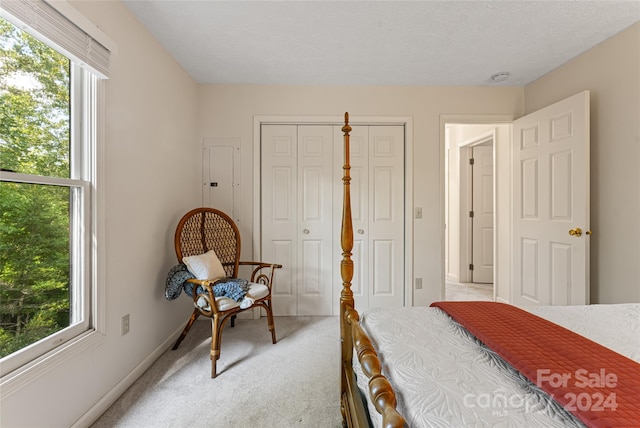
[(204, 229)]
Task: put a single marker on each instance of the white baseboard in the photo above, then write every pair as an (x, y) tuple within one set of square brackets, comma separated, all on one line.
[(109, 398)]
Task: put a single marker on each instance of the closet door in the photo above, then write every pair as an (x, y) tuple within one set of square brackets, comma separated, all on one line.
[(297, 223), (377, 205), (279, 199), (386, 216), (315, 220)]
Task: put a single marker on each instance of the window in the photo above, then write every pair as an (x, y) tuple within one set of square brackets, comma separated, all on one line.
[(48, 104)]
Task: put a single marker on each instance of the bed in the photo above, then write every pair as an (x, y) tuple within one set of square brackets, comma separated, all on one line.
[(470, 368)]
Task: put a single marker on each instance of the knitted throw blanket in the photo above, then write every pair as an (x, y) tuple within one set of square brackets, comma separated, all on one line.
[(177, 280), (233, 288)]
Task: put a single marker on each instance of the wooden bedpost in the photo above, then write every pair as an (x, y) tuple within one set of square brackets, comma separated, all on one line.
[(354, 414), (346, 241), (352, 410)]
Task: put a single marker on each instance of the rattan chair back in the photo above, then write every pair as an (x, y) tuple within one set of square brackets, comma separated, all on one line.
[(204, 229)]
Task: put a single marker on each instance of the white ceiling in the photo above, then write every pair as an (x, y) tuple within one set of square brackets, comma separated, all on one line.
[(432, 43)]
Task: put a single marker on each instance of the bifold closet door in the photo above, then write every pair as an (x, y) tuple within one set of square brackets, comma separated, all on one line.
[(297, 223), (377, 205)]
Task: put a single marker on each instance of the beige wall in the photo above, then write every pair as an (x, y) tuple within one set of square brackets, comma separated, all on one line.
[(611, 71), (151, 176), (228, 111)]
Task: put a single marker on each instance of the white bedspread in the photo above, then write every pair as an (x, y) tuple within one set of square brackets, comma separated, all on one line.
[(444, 378)]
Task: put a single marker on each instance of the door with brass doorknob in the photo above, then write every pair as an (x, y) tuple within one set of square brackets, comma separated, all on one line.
[(550, 197)]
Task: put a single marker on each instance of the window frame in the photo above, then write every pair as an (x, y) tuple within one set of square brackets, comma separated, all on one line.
[(86, 133)]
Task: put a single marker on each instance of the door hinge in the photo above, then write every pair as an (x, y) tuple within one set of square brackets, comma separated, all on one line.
[(470, 266), (471, 214), (472, 161)]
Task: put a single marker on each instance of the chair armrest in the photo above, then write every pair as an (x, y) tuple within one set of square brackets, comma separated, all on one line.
[(208, 296), (263, 273)]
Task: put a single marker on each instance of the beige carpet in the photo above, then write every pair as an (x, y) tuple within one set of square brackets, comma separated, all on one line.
[(294, 383), (456, 291)]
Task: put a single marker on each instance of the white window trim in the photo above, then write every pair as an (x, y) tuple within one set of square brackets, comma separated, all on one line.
[(92, 338)]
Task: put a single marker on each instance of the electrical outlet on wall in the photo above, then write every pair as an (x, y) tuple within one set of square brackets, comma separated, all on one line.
[(124, 325)]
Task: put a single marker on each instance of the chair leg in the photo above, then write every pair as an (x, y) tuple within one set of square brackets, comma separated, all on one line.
[(194, 316), (216, 336), (272, 327), (233, 320)]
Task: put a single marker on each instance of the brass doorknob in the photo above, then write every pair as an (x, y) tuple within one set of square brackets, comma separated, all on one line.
[(588, 232), (575, 232)]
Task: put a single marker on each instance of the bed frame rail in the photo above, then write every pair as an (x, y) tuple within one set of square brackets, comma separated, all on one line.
[(354, 412)]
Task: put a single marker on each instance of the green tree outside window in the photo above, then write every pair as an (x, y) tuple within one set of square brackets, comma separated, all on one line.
[(35, 297)]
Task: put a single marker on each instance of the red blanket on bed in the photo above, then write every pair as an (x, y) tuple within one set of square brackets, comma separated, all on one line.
[(599, 386)]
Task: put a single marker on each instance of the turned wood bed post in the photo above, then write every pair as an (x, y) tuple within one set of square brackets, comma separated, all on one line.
[(351, 404), (346, 265), (381, 392)]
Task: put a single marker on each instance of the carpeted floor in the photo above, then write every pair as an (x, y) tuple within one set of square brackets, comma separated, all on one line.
[(294, 383), (456, 291)]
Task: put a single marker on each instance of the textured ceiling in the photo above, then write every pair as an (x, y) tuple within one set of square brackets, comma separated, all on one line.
[(433, 43)]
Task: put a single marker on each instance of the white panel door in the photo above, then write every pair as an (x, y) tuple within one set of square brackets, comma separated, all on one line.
[(279, 199), (377, 204), (315, 220), (482, 221), (297, 216), (551, 198), (386, 215)]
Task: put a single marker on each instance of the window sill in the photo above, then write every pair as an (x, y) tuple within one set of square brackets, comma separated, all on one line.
[(29, 372)]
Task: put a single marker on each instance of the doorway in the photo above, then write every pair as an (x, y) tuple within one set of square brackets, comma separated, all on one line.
[(518, 272), (471, 203)]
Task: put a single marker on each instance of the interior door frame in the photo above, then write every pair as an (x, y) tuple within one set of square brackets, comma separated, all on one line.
[(470, 119), (338, 120)]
